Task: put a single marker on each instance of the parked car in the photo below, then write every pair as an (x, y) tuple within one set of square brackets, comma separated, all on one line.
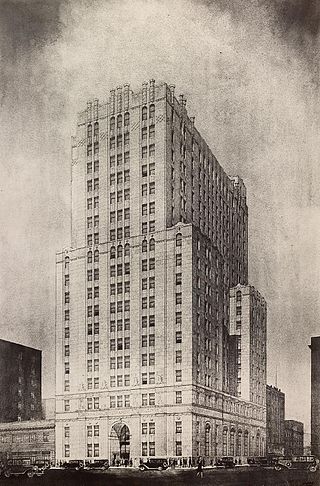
[(264, 461), (99, 464), (20, 467), (153, 463), (311, 463), (226, 462), (73, 465), (42, 466)]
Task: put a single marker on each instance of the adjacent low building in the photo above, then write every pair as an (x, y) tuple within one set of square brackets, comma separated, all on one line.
[(293, 438), (20, 382), (315, 395), (275, 420), (32, 440)]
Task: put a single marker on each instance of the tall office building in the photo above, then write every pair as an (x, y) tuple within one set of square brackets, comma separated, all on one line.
[(144, 355), (248, 321), (20, 382)]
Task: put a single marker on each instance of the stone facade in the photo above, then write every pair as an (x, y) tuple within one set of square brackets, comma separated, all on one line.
[(20, 382), (159, 236), (275, 401)]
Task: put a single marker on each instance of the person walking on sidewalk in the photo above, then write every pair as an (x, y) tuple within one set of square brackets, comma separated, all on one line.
[(200, 468)]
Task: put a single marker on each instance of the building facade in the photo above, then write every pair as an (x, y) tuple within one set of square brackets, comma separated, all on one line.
[(275, 401), (315, 395), (33, 440), (248, 321), (20, 382), (293, 438), (144, 354)]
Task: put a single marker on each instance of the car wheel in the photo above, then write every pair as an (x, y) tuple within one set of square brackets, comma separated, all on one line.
[(142, 468), (312, 468), (288, 464), (160, 468), (278, 467), (30, 474), (7, 474)]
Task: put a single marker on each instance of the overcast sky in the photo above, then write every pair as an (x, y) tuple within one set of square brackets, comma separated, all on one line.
[(249, 71)]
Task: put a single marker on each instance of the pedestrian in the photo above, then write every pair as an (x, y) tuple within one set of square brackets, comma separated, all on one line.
[(190, 462), (200, 468)]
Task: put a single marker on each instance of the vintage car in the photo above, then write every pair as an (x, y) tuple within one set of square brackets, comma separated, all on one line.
[(262, 461), (98, 464), (153, 463), (73, 465), (21, 467), (226, 462), (311, 463)]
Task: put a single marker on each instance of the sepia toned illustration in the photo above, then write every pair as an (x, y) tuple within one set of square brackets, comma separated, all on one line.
[(160, 243)]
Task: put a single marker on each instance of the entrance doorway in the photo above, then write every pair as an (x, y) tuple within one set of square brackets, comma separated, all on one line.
[(119, 444)]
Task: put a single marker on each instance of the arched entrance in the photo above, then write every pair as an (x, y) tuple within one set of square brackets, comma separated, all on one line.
[(119, 443)]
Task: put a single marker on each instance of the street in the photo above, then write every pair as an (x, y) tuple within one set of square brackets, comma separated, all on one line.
[(242, 476)]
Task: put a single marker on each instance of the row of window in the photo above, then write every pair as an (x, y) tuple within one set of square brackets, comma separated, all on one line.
[(120, 233), (119, 344), (120, 288), (125, 139), (119, 381), (120, 159), (120, 196), (120, 251), (120, 177), (120, 119), (93, 184), (119, 306)]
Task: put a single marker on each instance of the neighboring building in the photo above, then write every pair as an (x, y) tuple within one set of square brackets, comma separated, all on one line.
[(275, 400), (315, 395), (34, 440), (248, 321), (20, 382), (293, 438), (145, 362)]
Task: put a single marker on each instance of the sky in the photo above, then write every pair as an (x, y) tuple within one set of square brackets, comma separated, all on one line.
[(250, 72)]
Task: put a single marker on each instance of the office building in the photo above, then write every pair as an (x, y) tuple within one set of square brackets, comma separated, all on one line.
[(275, 401), (144, 354), (20, 382), (315, 395), (293, 438), (248, 321)]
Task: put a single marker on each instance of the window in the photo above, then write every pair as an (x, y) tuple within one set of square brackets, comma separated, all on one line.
[(144, 448), (96, 256), (152, 207), (96, 202), (89, 430), (112, 123), (126, 343), (67, 405), (151, 340), (112, 402), (178, 356), (119, 121), (152, 244), (152, 399), (119, 344), (144, 360), (151, 131), (151, 301), (178, 337), (96, 365), (151, 150), (178, 448), (178, 375), (119, 401), (152, 226), (127, 361), (67, 332), (152, 188), (67, 432), (151, 111), (152, 360), (112, 161), (112, 252), (144, 340), (126, 380), (179, 279), (178, 298), (178, 427), (126, 119), (127, 400), (89, 204), (96, 430), (144, 378), (144, 428), (112, 381), (178, 397), (144, 152), (152, 321), (66, 385), (89, 365), (152, 378), (144, 209), (152, 282), (126, 194), (144, 113), (152, 449), (119, 380), (178, 260), (89, 403), (89, 186), (144, 189), (67, 450), (96, 274), (152, 169), (151, 263), (144, 134)]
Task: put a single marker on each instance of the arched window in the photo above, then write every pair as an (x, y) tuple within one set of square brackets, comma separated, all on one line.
[(238, 296), (120, 251), (112, 123), (89, 257), (89, 131), (66, 262), (179, 239), (112, 252), (151, 111), (225, 441), (144, 246), (96, 256), (231, 447), (239, 443), (152, 244), (119, 121), (144, 113), (127, 249), (96, 129), (126, 119), (207, 440)]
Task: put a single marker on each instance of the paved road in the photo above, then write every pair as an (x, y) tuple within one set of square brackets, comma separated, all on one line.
[(132, 477)]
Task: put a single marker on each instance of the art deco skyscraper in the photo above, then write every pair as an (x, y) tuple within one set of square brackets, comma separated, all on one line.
[(159, 236)]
